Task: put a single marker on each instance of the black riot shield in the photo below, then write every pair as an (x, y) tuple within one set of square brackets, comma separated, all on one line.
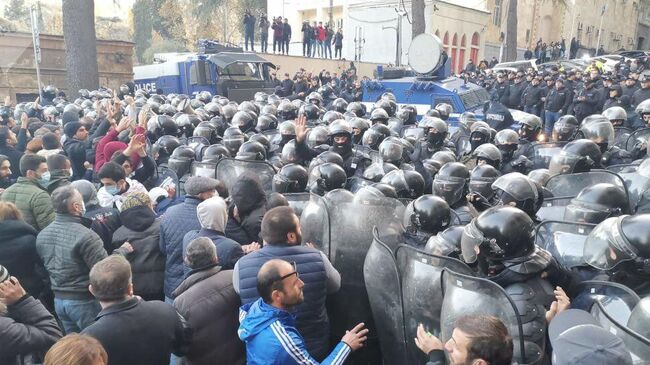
[(315, 223), (564, 240), (205, 169), (383, 284), (569, 185), (543, 152), (639, 136), (420, 277), (228, 170), (298, 201), (638, 345), (621, 135), (617, 298), (350, 238), (467, 295)]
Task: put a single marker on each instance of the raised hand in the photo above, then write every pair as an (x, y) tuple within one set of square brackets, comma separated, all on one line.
[(301, 128)]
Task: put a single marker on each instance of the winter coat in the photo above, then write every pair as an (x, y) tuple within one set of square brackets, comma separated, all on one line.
[(177, 221), (105, 221), (14, 156), (77, 151), (228, 251), (207, 293), (272, 338), (26, 330), (18, 255), (141, 228), (58, 179), (33, 202), (69, 249), (140, 333), (286, 31), (108, 200), (250, 199)]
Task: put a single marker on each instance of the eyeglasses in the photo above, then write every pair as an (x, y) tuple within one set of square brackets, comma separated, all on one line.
[(294, 272)]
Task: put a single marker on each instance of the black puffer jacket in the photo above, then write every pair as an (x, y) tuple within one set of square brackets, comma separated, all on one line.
[(250, 200), (141, 229), (18, 255)]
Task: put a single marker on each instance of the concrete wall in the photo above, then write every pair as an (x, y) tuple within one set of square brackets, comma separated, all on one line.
[(18, 74), (291, 64)]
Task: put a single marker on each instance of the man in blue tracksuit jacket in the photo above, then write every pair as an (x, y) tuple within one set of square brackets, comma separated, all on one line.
[(267, 325)]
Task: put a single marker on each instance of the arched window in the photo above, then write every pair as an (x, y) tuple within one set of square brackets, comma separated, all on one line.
[(473, 53), (461, 54), (445, 42), (437, 33), (454, 52)]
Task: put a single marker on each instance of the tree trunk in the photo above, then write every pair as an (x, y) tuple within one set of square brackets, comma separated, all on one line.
[(511, 32), (80, 46), (417, 13)]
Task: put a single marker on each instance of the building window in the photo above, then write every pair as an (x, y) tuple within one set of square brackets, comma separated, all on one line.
[(527, 35), (496, 15)]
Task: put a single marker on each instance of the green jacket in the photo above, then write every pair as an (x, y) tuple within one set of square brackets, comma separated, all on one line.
[(32, 200)]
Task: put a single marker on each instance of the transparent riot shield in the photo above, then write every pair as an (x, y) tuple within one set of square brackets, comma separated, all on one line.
[(367, 152), (553, 208), (355, 183), (165, 177), (543, 152), (315, 223), (621, 135), (205, 169), (637, 184), (298, 201), (623, 168), (420, 277), (564, 240), (228, 170), (639, 136), (569, 185), (383, 286), (638, 345), (467, 295), (617, 298), (350, 238)]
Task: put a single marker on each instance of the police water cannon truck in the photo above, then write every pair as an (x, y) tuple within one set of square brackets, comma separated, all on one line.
[(216, 68), (428, 82)]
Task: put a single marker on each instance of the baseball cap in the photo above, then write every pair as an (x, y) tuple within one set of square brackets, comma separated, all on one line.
[(577, 339)]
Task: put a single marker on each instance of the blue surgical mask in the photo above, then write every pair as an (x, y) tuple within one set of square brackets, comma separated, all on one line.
[(113, 189), (45, 178)]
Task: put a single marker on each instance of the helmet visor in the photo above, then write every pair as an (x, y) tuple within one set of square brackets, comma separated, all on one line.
[(606, 247), (451, 191), (562, 164)]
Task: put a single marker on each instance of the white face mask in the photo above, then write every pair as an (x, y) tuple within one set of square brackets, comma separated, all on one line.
[(71, 171)]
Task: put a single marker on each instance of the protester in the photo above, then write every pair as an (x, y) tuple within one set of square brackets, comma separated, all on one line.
[(60, 172), (116, 186), (247, 210), (104, 220), (207, 299), (155, 329), (5, 173), (76, 349)]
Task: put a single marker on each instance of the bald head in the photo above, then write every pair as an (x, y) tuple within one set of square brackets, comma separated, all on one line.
[(268, 278)]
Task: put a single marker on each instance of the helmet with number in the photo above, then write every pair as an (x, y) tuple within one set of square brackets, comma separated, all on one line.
[(407, 184), (445, 110), (215, 152), (315, 98), (430, 214), (531, 126), (519, 190), (357, 108), (375, 135), (287, 111), (376, 171), (598, 129), (243, 120), (311, 111), (326, 177), (205, 130), (565, 128), (181, 160), (616, 115), (266, 122), (165, 145), (481, 179), (379, 115), (339, 105), (507, 141), (252, 151), (596, 203), (291, 178), (446, 243), (467, 119), (452, 182), (499, 234), (391, 151), (330, 116), (318, 136), (228, 111), (488, 153), (580, 155), (233, 138)]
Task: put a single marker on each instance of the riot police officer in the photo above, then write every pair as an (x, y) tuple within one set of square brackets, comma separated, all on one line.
[(518, 190), (596, 203), (481, 194), (598, 129), (565, 129), (452, 184), (425, 217), (580, 155)]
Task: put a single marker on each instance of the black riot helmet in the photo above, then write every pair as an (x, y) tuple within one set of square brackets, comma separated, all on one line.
[(481, 179), (621, 244), (167, 109), (205, 130), (318, 136), (261, 139), (165, 145), (499, 234), (341, 128), (228, 111), (385, 189), (327, 177), (598, 129), (446, 243), (359, 127), (357, 108), (386, 105), (269, 109), (445, 110), (375, 135), (266, 122), (580, 155), (330, 116), (489, 154), (289, 153), (565, 128), (480, 134), (407, 184), (442, 157), (596, 203), (452, 182), (287, 111), (432, 113), (430, 214), (327, 156), (243, 120), (467, 119), (160, 125), (391, 151), (185, 124), (287, 131), (311, 111), (213, 109), (379, 115), (507, 141), (215, 152), (315, 98), (181, 160), (339, 105), (408, 114), (516, 189), (233, 138), (531, 126), (435, 130), (252, 151), (291, 178)]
